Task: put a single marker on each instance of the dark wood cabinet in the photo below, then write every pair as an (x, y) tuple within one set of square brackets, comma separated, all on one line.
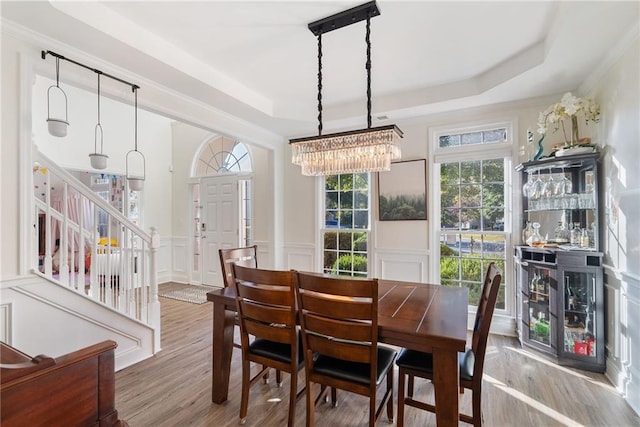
[(560, 309)]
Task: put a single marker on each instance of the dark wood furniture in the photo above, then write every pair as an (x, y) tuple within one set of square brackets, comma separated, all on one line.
[(77, 389), (428, 318), (339, 326), (245, 257), (267, 310), (413, 363)]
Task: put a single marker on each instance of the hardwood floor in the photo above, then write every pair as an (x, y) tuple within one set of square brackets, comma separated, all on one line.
[(520, 388)]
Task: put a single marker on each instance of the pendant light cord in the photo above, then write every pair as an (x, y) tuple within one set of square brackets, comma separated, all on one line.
[(368, 67), (99, 98), (320, 84), (135, 126), (57, 72)]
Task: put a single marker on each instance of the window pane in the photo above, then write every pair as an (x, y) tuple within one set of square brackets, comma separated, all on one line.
[(450, 173), (361, 200), (470, 195), (493, 171), (471, 138), (331, 200), (346, 208), (361, 219), (331, 182), (496, 135), (469, 172), (450, 141), (346, 182)]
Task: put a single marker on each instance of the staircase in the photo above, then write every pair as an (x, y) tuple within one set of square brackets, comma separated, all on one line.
[(111, 267)]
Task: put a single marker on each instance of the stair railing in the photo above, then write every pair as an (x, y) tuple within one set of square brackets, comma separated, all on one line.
[(114, 265)]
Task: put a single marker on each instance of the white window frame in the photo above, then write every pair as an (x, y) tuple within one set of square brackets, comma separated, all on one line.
[(506, 150), (320, 220)]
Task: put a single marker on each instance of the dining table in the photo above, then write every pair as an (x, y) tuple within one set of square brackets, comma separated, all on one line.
[(418, 316)]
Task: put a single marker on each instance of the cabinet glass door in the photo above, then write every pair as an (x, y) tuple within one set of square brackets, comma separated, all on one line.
[(539, 314), (579, 313)]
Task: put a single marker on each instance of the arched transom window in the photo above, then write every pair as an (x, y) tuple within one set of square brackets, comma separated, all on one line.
[(222, 154)]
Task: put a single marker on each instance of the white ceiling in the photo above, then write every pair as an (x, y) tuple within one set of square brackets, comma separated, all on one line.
[(258, 60)]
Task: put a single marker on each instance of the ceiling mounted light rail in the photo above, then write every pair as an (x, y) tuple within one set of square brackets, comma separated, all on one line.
[(357, 151), (58, 127)]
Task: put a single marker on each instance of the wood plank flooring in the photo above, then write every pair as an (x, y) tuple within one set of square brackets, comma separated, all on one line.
[(520, 388)]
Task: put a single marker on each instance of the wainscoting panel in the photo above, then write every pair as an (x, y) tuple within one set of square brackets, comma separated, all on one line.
[(299, 257), (5, 323), (622, 298), (179, 260), (410, 266)]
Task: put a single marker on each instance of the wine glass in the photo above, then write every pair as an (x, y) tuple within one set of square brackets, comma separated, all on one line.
[(567, 185), (538, 185), (528, 186), (548, 189)]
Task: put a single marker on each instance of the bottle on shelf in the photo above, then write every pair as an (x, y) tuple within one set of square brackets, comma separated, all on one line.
[(536, 239), (584, 238), (527, 232), (575, 234)]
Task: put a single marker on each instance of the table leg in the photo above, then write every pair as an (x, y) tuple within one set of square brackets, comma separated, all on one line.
[(223, 323), (446, 377)]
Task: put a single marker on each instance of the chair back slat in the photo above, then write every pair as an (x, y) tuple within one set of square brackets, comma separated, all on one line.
[(343, 350), (337, 306), (338, 329), (246, 257), (482, 323), (339, 316), (261, 313), (266, 304)]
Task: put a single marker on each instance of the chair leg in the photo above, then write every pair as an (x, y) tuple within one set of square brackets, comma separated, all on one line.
[(293, 392), (372, 410), (246, 384), (401, 377), (476, 394), (410, 386), (278, 378), (390, 402), (311, 405), (334, 397)]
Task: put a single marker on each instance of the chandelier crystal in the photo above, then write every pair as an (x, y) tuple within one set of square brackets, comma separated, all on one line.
[(358, 151), (367, 150)]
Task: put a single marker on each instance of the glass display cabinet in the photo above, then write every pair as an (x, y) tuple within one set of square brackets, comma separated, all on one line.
[(560, 310)]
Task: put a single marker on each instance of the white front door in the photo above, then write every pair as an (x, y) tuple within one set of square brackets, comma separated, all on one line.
[(220, 224)]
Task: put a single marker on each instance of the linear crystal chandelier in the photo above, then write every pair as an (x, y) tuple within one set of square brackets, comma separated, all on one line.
[(357, 151)]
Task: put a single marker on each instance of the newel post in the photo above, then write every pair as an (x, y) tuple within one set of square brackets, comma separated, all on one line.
[(154, 303)]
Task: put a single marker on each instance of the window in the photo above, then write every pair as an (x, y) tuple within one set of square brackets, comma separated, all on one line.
[(346, 227), (473, 206)]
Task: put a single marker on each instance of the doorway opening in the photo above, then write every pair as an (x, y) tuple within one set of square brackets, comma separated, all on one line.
[(221, 205)]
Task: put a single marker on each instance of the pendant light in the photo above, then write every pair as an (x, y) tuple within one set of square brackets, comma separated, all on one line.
[(365, 150), (136, 181), (57, 126), (98, 159)]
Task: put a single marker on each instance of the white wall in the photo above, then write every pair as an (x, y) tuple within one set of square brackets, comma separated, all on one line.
[(117, 121), (618, 94)]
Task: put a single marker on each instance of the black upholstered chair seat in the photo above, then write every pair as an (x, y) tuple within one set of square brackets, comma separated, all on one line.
[(352, 371), (420, 361), (275, 350)]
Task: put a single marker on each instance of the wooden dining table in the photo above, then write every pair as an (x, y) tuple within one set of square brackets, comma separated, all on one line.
[(418, 316)]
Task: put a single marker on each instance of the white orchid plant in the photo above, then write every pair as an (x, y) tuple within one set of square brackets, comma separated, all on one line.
[(569, 107)]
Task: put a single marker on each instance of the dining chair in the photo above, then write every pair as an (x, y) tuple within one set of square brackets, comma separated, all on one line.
[(245, 256), (339, 326), (413, 363), (266, 305)]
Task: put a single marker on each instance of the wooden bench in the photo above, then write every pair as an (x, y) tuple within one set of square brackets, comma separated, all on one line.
[(76, 389)]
